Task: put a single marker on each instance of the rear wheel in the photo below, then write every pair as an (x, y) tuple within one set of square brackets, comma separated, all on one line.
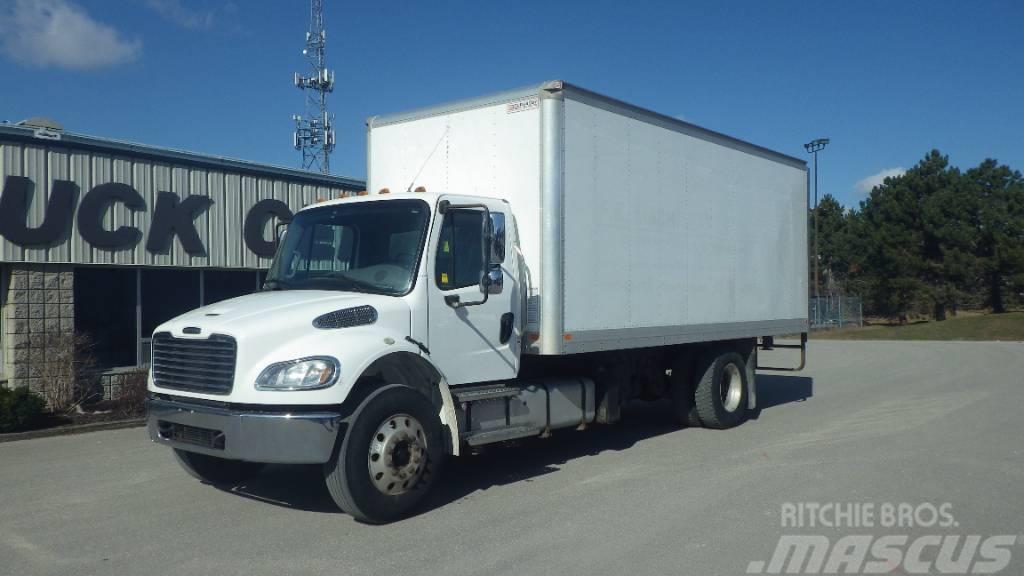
[(721, 393), (216, 471), (389, 458)]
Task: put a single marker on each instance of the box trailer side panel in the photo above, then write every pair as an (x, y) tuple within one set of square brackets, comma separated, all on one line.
[(672, 238), (636, 229)]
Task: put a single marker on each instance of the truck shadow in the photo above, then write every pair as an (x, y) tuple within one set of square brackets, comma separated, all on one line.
[(777, 389), (302, 487)]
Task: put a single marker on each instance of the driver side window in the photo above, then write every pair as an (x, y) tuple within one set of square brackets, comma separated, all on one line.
[(458, 250)]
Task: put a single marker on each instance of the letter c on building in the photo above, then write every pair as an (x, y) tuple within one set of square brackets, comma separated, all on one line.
[(256, 222)]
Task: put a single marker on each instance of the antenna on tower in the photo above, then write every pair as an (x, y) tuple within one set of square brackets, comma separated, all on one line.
[(314, 133)]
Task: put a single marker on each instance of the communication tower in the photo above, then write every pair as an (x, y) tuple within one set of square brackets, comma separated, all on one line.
[(314, 132)]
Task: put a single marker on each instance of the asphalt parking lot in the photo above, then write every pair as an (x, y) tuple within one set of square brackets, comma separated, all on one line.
[(867, 422)]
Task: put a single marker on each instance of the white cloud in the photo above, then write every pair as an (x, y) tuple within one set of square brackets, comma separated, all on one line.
[(866, 185), (176, 12), (59, 33)]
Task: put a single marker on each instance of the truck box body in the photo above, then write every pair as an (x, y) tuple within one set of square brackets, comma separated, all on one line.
[(637, 229)]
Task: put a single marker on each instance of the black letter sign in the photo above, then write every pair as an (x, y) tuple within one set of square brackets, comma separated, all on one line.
[(256, 221), (14, 212), (94, 207), (172, 217)]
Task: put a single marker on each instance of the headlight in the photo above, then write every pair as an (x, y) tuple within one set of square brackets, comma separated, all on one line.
[(302, 374)]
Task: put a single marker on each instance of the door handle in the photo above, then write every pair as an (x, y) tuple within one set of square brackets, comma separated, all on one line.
[(507, 320)]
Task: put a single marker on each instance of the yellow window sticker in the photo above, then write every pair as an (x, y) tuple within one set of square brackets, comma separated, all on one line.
[(445, 248), (444, 277)]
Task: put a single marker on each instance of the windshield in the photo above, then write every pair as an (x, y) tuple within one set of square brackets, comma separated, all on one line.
[(360, 247)]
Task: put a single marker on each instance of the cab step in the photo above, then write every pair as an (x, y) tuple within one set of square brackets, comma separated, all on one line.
[(484, 392), (480, 438)]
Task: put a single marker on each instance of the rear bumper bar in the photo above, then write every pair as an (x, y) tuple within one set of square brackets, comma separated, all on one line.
[(253, 436), (768, 343)]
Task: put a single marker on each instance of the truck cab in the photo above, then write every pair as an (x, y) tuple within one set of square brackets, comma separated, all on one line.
[(419, 290)]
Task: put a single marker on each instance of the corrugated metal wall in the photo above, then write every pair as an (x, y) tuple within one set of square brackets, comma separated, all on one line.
[(220, 227)]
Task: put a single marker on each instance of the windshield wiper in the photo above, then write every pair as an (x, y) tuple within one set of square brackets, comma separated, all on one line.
[(333, 281), (356, 283)]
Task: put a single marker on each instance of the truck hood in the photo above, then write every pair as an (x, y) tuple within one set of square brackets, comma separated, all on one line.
[(281, 313), (271, 327)]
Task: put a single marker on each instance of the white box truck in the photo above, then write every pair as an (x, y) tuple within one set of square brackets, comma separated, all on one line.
[(524, 262)]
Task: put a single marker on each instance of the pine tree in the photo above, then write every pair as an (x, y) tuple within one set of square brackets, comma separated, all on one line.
[(833, 243), (908, 224), (997, 194), (893, 241), (947, 217), (930, 241)]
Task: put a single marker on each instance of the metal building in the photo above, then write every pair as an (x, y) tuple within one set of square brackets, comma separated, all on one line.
[(109, 239)]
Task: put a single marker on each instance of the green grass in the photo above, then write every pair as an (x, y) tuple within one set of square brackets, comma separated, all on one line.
[(969, 326)]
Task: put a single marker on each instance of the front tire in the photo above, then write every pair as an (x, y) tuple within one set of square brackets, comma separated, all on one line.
[(216, 471), (721, 394), (389, 458)]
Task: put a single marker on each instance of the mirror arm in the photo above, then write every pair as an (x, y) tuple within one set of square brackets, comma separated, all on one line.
[(281, 223)]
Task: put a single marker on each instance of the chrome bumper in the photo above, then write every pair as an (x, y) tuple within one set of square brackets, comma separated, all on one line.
[(253, 436)]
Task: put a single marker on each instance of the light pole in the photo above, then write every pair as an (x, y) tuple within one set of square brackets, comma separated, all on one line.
[(813, 147)]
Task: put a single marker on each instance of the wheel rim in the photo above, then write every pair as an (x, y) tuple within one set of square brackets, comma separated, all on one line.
[(398, 452), (731, 387)]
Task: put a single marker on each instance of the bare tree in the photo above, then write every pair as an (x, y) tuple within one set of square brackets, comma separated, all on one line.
[(64, 369)]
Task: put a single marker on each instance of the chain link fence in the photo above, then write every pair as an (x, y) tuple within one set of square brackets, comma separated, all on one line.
[(828, 312)]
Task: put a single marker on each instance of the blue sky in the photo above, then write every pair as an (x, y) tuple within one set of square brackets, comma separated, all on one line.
[(886, 81)]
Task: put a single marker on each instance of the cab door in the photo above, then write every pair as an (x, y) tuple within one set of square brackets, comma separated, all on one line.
[(476, 342)]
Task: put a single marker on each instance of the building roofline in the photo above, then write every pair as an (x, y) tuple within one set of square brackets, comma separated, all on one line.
[(61, 139)]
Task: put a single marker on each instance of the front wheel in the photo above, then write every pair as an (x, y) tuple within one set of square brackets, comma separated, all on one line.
[(389, 458), (216, 471)]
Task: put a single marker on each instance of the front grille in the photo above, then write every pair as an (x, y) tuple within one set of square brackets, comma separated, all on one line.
[(206, 366)]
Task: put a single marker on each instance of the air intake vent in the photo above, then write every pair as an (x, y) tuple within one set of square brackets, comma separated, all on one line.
[(346, 318), (206, 366)]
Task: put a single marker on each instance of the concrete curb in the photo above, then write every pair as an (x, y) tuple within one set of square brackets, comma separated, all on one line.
[(68, 430)]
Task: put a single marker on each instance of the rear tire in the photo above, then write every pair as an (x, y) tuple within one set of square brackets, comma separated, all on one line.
[(216, 471), (721, 394), (389, 458)]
